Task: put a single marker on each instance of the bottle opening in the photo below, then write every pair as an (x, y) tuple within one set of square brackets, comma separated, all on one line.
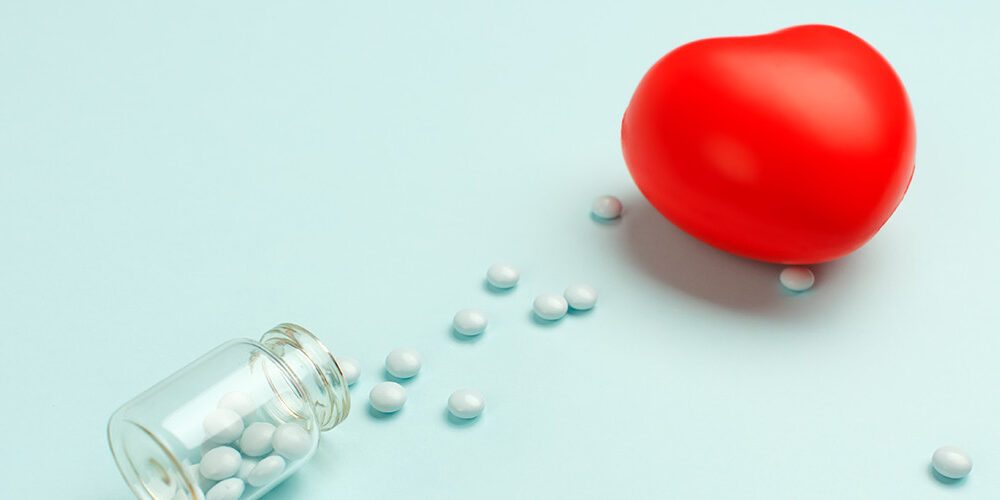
[(316, 370)]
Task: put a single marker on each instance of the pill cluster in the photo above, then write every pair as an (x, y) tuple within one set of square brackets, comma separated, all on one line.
[(552, 307), (243, 450), (403, 363), (389, 396)]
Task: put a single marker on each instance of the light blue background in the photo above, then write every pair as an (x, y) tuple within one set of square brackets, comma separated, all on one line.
[(174, 175)]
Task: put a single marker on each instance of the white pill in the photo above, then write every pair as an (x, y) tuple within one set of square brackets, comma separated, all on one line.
[(607, 207), (230, 489), (402, 363), (502, 275), (256, 439), (387, 397), (351, 369), (266, 471), (240, 402), (951, 462), (245, 467), (550, 306), (292, 441), (220, 463), (466, 403), (469, 322), (796, 278), (223, 426), (581, 297)]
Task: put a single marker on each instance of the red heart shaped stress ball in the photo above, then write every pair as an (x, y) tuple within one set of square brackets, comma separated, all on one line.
[(792, 147)]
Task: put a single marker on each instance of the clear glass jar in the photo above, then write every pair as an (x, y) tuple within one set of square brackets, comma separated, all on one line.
[(266, 401)]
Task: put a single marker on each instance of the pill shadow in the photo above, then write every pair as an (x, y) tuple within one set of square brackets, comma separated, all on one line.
[(377, 415), (945, 481), (454, 421), (465, 339), (545, 323), (579, 312), (496, 290), (401, 381), (665, 252), (607, 222)]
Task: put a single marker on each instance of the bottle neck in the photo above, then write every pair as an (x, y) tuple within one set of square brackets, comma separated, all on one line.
[(314, 370)]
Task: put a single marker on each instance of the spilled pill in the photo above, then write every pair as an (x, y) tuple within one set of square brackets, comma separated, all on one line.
[(951, 462), (469, 322), (403, 363), (502, 275), (580, 297), (387, 397), (466, 403), (607, 207), (797, 278), (550, 306)]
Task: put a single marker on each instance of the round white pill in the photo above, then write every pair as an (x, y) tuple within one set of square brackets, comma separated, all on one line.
[(466, 403), (607, 207), (502, 275), (402, 363), (469, 322), (796, 278), (387, 397), (240, 402), (581, 297), (256, 439), (223, 426), (550, 306), (230, 489), (266, 471), (951, 462), (220, 463), (351, 369), (292, 441)]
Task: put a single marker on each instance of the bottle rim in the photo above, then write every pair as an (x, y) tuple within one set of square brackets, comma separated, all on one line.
[(328, 393)]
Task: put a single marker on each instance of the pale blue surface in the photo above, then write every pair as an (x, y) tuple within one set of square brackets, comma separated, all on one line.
[(179, 174)]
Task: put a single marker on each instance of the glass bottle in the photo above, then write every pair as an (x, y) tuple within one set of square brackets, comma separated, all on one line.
[(267, 401)]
